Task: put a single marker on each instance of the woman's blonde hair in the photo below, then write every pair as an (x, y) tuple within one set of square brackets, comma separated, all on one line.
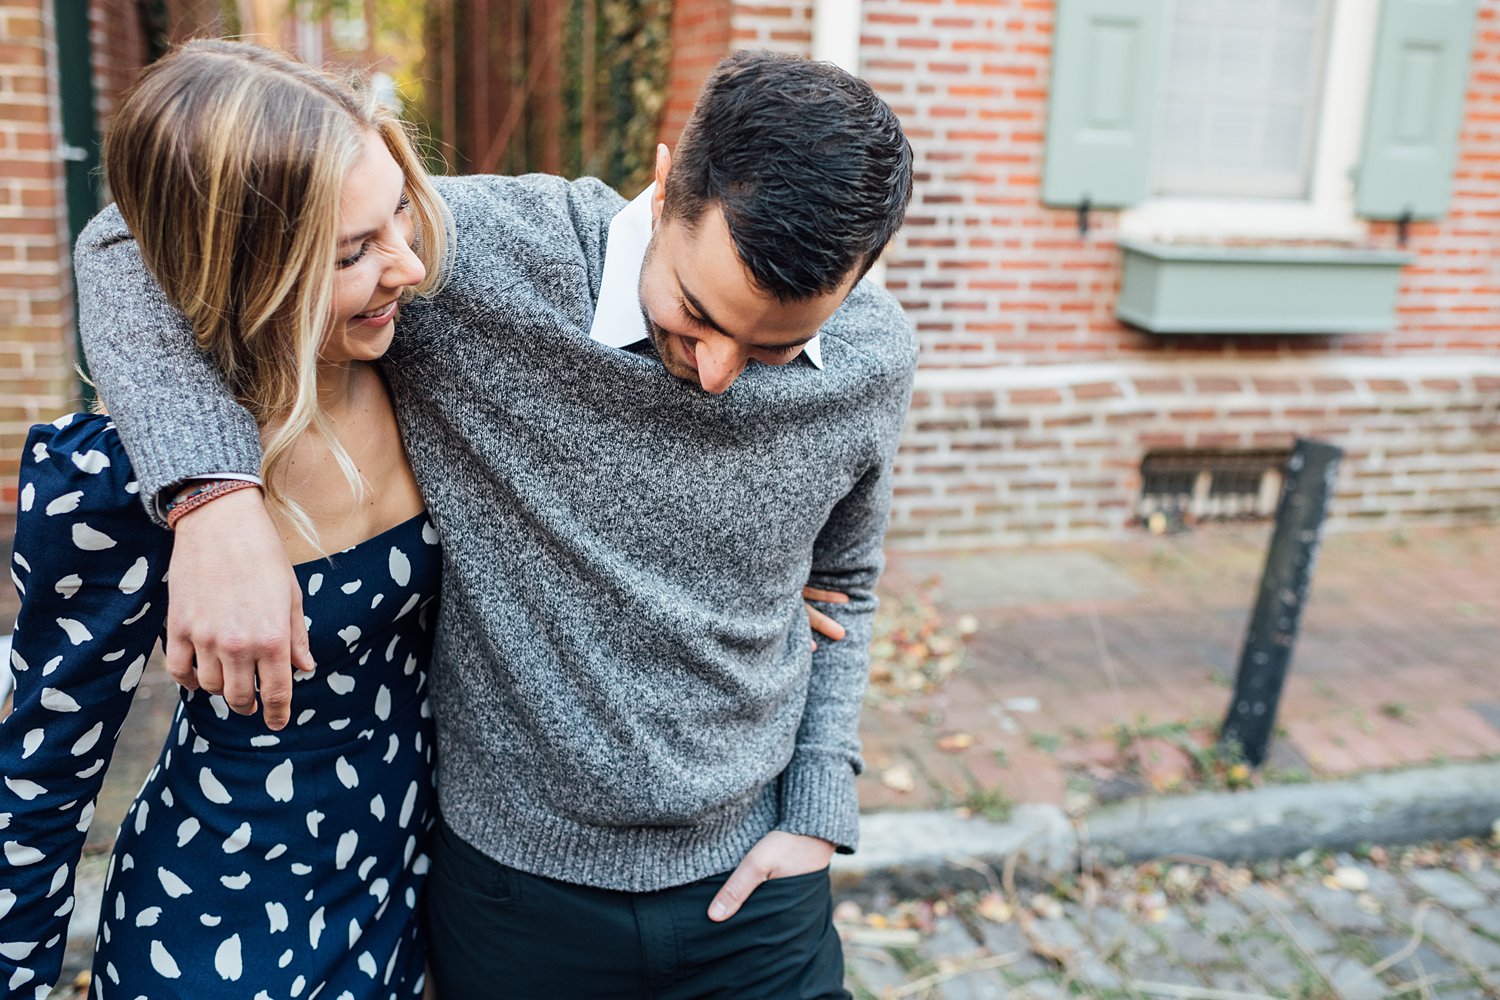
[(227, 161)]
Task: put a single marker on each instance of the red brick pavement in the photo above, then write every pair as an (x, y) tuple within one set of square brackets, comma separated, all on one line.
[(1120, 689)]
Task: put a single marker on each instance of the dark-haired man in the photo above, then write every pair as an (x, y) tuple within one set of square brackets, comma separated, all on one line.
[(640, 430)]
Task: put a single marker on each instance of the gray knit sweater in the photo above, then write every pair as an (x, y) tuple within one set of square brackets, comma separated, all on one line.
[(622, 682)]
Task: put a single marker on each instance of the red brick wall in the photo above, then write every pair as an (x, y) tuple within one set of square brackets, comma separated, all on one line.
[(118, 41), (1051, 453), (783, 25), (700, 38), (992, 276), (117, 35), (36, 343), (1035, 406)]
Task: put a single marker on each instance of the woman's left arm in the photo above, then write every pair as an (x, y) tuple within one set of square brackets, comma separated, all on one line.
[(88, 565)]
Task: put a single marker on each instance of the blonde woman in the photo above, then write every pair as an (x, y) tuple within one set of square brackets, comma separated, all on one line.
[(287, 216)]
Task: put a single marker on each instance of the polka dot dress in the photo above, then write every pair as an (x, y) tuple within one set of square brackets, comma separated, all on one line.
[(253, 864)]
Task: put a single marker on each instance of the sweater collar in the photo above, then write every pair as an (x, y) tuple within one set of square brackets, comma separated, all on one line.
[(617, 316)]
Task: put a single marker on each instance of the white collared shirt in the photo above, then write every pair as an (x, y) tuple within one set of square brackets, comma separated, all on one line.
[(617, 316)]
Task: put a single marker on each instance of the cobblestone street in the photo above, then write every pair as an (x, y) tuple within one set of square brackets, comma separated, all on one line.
[(1411, 923), (1417, 923)]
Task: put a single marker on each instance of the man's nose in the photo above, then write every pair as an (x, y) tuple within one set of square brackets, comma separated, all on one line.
[(720, 362)]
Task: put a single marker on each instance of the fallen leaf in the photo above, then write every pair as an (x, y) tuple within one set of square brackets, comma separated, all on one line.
[(1239, 879), (898, 779), (1046, 907), (1153, 906), (1348, 878), (1183, 879), (848, 912), (882, 937), (955, 742), (994, 908), (1077, 802)]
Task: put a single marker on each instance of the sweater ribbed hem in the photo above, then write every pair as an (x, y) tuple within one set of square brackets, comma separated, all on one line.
[(629, 859), (818, 799), (160, 468)]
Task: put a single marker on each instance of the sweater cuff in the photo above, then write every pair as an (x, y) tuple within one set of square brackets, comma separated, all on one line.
[(818, 799), (163, 496), (157, 488)]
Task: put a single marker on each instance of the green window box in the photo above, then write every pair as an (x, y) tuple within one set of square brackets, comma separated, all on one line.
[(1185, 288)]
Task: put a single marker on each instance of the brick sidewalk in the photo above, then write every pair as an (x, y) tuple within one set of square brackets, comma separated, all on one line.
[(1102, 671)]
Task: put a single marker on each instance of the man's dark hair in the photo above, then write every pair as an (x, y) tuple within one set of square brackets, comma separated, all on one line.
[(809, 165)]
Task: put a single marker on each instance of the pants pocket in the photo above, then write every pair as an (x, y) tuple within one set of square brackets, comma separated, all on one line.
[(792, 888), (460, 868)]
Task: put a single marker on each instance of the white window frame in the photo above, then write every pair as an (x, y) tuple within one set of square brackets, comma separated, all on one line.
[(1328, 213)]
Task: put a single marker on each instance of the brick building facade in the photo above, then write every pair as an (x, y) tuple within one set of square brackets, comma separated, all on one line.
[(36, 341), (38, 344), (1035, 406)]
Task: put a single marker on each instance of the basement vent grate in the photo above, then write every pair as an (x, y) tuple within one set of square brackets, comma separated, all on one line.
[(1211, 485)]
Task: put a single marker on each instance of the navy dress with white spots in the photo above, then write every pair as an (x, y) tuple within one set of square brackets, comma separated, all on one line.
[(253, 864)]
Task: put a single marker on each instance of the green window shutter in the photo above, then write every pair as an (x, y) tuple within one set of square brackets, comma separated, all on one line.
[(1417, 84), (1101, 112)]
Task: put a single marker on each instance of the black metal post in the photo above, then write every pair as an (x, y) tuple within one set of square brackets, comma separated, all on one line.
[(1267, 654)]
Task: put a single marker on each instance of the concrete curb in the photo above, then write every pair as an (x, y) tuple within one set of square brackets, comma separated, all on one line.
[(913, 853)]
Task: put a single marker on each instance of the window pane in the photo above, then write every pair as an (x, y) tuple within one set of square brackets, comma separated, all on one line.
[(1240, 97), (1294, 62), (1284, 133), (1309, 9), (1238, 76)]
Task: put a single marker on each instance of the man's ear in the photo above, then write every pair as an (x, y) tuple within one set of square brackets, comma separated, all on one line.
[(659, 196)]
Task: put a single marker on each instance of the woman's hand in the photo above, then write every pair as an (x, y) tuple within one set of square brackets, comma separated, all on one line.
[(821, 623)]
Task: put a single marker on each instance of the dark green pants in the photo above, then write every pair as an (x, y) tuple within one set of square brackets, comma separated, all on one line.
[(494, 931)]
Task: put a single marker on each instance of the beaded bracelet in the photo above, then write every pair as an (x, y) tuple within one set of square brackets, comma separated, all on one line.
[(177, 508)]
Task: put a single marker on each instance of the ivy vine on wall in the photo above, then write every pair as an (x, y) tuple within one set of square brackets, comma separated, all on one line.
[(575, 87)]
